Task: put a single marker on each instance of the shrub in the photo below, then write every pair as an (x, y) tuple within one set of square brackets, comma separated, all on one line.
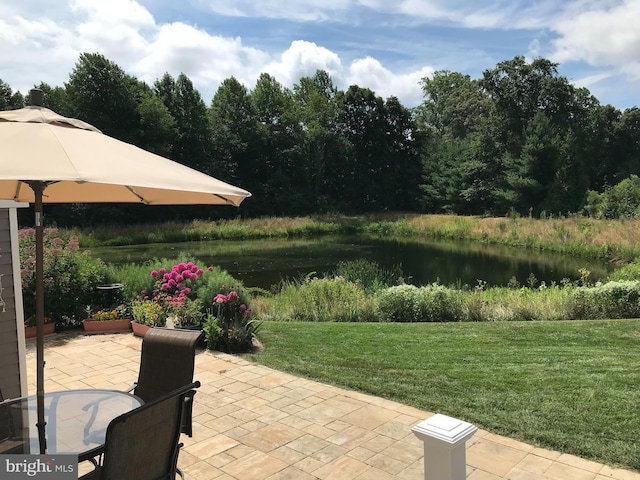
[(432, 303), (70, 276), (608, 300), (398, 304), (201, 283), (194, 296)]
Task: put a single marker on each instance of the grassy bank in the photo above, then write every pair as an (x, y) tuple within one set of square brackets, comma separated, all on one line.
[(616, 240), (567, 386)]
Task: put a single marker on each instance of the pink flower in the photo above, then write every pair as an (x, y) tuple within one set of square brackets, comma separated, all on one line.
[(232, 296), (210, 268), (220, 299), (162, 271), (243, 307), (180, 286), (165, 286), (154, 273), (199, 272), (171, 282)]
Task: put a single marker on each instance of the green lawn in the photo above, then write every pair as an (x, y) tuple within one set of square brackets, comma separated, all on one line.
[(568, 386)]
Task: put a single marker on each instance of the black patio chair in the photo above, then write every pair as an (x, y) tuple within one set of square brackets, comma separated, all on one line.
[(144, 444), (167, 362)]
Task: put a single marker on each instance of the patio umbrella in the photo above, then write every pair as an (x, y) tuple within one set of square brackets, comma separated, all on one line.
[(47, 158)]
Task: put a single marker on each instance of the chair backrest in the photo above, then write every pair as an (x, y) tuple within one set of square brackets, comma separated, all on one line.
[(143, 444), (167, 361)]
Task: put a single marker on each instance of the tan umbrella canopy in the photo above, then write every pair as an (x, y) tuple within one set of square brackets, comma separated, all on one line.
[(47, 158)]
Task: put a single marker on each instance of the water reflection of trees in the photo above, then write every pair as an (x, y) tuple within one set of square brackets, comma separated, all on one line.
[(267, 261)]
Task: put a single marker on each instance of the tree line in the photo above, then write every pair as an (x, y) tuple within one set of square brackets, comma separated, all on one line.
[(520, 139)]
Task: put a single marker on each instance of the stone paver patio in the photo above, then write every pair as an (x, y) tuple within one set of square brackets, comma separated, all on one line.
[(255, 423)]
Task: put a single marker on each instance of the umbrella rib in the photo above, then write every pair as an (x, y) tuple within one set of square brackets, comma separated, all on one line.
[(141, 198), (222, 197)]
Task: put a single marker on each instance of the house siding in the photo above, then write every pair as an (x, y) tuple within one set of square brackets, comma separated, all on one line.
[(12, 368)]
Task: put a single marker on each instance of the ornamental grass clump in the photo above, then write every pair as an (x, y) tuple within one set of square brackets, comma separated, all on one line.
[(332, 299)]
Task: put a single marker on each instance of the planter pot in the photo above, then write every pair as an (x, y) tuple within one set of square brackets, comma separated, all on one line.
[(93, 327), (139, 329), (49, 328)]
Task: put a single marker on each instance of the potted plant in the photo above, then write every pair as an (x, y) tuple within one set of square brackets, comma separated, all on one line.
[(147, 313), (114, 320), (30, 327)]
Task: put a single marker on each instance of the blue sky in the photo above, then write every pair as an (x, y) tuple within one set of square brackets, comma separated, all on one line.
[(387, 46)]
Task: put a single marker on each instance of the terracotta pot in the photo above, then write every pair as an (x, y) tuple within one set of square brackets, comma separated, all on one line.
[(30, 332), (139, 329), (93, 327)]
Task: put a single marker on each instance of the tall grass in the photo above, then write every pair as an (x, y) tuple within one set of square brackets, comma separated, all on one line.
[(337, 298), (315, 299)]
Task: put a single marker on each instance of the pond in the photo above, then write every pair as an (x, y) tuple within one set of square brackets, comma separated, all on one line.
[(263, 263)]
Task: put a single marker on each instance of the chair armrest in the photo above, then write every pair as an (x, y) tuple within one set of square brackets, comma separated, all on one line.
[(186, 425)]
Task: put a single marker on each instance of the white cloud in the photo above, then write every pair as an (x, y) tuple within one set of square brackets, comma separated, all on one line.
[(303, 59), (118, 27), (41, 40), (206, 59), (506, 14), (602, 37), (369, 72), (299, 10), (590, 80)]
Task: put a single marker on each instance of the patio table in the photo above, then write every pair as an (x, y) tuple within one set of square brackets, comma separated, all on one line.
[(77, 421)]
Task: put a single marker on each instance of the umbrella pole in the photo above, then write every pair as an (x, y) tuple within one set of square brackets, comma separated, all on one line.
[(38, 188)]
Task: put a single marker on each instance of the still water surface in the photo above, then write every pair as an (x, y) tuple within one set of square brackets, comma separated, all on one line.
[(263, 263)]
